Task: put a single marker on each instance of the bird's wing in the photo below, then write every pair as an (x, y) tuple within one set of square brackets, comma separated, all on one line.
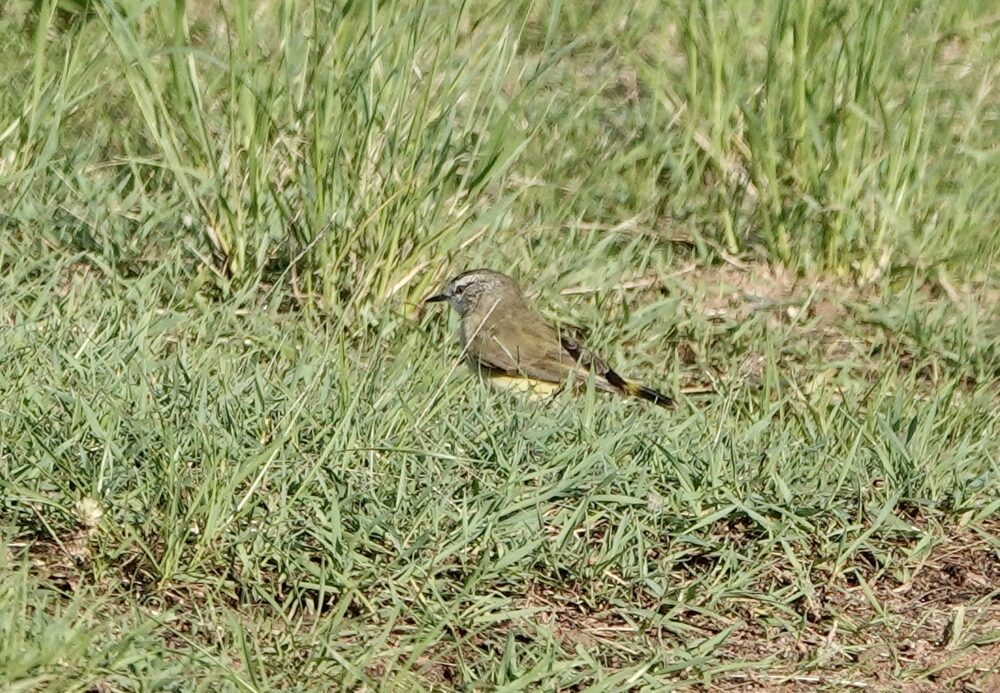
[(584, 356), (534, 349)]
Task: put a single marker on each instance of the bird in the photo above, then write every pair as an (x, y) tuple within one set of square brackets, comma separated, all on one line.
[(514, 348)]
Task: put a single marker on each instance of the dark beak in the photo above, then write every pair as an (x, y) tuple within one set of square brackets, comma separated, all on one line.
[(435, 299)]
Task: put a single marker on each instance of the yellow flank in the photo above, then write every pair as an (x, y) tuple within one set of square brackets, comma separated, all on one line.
[(534, 389), (632, 389)]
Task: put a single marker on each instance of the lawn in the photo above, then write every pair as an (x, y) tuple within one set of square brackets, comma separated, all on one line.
[(237, 454)]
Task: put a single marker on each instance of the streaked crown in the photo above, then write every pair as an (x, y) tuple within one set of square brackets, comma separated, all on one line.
[(466, 291)]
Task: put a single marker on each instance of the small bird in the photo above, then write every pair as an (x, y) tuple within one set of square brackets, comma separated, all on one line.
[(514, 348)]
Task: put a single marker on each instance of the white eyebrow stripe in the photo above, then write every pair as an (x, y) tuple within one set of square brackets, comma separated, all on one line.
[(465, 280)]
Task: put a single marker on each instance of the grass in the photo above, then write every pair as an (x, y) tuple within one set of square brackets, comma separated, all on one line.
[(235, 455)]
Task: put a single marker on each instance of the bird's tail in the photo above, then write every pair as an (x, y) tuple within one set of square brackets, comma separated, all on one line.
[(649, 394), (640, 391)]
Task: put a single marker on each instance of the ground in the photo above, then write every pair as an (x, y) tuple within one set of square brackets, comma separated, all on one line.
[(237, 453)]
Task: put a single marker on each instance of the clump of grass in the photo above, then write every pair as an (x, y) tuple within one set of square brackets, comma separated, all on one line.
[(829, 133), (350, 146)]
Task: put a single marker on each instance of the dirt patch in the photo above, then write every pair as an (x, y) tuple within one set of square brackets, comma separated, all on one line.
[(938, 631), (736, 290), (836, 325)]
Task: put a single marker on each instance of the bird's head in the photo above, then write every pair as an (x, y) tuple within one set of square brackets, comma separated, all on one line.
[(469, 290)]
